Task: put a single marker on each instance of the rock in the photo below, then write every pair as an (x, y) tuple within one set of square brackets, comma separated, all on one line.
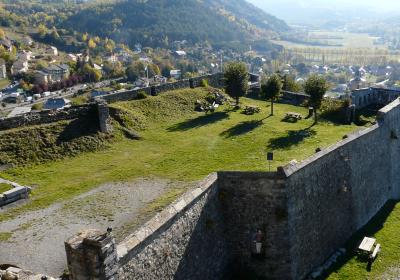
[(10, 276), (131, 134), (15, 270)]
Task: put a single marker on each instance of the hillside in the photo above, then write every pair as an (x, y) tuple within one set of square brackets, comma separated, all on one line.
[(160, 22)]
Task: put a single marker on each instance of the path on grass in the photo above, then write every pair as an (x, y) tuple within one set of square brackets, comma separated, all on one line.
[(37, 241)]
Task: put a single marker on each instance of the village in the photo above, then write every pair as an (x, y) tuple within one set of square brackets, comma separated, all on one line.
[(36, 76)]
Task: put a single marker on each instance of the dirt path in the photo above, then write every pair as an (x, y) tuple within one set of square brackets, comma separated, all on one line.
[(37, 242)]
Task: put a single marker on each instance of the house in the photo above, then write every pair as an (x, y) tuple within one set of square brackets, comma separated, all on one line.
[(53, 73), (176, 74), (41, 78), (159, 79), (180, 54), (52, 51), (142, 82), (19, 66), (72, 57), (357, 83), (3, 71), (24, 55), (56, 104)]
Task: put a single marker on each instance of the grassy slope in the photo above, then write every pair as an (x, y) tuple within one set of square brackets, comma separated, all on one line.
[(50, 142), (179, 144), (4, 83), (385, 228)]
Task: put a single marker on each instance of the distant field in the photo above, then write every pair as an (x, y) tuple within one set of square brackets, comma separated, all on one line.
[(337, 40)]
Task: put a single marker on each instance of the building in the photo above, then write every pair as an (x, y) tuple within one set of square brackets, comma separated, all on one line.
[(3, 71), (180, 54), (358, 83), (56, 104), (19, 66), (53, 73), (52, 51), (176, 74), (72, 57)]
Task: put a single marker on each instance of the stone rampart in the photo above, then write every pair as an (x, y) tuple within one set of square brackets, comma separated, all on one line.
[(45, 117), (214, 80)]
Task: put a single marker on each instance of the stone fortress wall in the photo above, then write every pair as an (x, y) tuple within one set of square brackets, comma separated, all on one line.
[(305, 210)]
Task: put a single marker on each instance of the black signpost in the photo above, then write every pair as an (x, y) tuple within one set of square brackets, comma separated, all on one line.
[(270, 157)]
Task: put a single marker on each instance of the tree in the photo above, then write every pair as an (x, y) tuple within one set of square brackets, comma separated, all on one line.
[(236, 80), (272, 89), (133, 72), (316, 87), (42, 30), (91, 44), (2, 34)]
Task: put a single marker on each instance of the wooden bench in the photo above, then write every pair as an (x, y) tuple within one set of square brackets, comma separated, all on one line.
[(296, 116), (376, 251)]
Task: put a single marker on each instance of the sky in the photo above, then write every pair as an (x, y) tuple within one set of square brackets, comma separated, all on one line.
[(297, 10)]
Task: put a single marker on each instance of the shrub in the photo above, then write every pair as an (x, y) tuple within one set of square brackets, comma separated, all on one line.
[(141, 95), (37, 106), (204, 83)]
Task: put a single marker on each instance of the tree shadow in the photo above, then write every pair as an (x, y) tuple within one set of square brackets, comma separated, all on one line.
[(242, 128), (199, 121), (293, 137), (374, 225)]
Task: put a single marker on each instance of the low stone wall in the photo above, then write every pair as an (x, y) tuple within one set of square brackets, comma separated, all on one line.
[(45, 117), (214, 80), (293, 98), (13, 195)]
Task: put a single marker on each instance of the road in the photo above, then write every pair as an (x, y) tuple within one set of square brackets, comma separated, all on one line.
[(60, 94)]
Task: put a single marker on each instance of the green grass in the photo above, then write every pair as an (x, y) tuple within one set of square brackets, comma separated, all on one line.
[(4, 187), (5, 236), (4, 83), (385, 228), (179, 144)]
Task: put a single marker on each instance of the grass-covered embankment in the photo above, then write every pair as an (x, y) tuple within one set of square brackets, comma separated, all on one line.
[(39, 144)]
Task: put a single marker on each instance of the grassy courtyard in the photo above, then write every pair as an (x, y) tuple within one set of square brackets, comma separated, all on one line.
[(179, 144)]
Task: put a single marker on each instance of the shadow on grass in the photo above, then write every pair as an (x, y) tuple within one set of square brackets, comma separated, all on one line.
[(242, 128), (78, 128), (199, 121), (293, 137), (369, 230)]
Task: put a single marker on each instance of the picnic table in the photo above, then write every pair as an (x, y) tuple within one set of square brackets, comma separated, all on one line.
[(367, 244), (293, 115)]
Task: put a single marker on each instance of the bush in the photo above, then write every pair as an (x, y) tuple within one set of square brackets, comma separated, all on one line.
[(141, 95), (204, 83), (37, 106)]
